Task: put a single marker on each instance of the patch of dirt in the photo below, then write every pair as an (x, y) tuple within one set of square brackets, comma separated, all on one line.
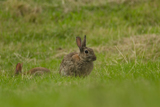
[(23, 9)]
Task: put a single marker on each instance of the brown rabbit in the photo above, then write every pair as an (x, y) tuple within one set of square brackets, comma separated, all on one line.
[(78, 64), (34, 71)]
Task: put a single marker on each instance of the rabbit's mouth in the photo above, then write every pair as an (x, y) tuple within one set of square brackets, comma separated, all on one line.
[(92, 58)]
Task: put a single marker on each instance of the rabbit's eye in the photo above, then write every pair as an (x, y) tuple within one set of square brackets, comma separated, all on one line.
[(86, 51)]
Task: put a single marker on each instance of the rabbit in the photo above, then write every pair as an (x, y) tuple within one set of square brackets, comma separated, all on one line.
[(34, 71), (78, 64)]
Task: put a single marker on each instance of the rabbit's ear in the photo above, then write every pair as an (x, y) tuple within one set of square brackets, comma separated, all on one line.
[(78, 40), (18, 68), (84, 42)]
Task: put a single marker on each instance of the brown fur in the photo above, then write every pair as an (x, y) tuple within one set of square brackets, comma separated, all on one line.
[(78, 64), (76, 57), (38, 70), (34, 71), (18, 68)]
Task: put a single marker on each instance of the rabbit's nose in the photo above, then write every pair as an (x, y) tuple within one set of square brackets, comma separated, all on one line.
[(94, 58)]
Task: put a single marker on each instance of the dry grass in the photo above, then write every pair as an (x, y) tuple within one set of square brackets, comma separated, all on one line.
[(123, 1), (70, 5), (23, 9), (145, 47)]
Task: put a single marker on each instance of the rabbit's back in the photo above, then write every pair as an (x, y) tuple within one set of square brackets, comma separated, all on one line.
[(72, 65), (67, 65)]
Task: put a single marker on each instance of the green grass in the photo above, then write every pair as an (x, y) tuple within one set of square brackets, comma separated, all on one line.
[(123, 33)]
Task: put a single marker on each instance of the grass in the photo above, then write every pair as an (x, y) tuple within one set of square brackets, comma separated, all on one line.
[(123, 33)]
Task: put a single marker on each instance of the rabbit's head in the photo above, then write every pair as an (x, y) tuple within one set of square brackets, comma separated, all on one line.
[(86, 54)]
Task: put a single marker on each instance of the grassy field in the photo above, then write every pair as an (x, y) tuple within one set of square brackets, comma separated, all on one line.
[(125, 35)]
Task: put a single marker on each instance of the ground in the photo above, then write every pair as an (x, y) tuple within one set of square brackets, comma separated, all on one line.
[(124, 34)]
